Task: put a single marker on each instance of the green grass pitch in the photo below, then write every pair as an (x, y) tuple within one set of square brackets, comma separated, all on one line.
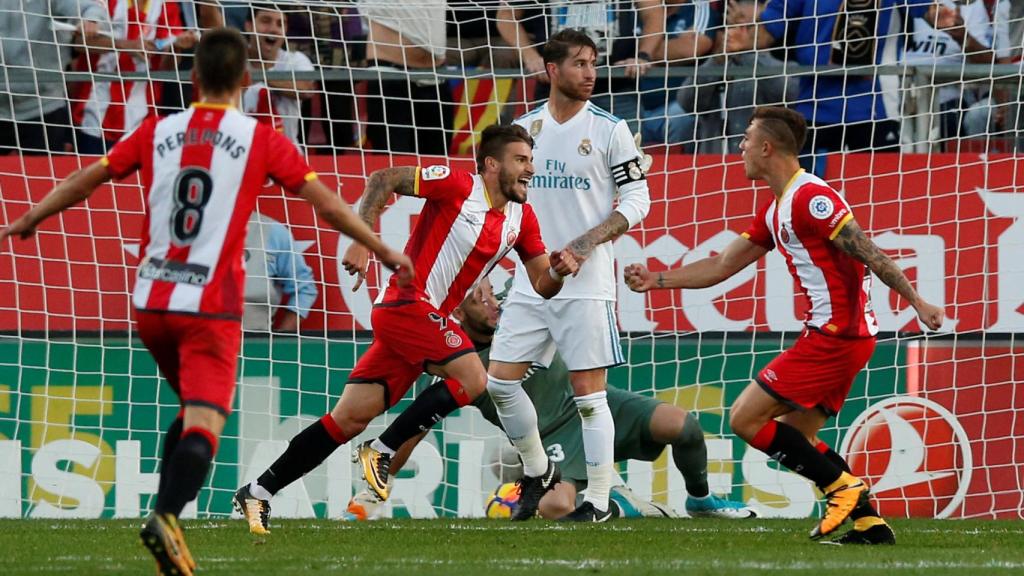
[(464, 547)]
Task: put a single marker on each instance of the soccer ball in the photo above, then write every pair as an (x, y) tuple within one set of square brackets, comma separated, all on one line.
[(502, 503)]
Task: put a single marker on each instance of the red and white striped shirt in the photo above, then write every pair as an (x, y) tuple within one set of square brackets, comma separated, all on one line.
[(201, 172), (459, 238), (109, 109), (802, 225)]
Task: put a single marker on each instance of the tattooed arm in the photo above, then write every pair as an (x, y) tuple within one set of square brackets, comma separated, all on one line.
[(851, 240), (379, 188), (614, 225)]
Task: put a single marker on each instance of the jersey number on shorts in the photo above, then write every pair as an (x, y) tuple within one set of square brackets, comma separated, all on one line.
[(192, 190), (555, 453)]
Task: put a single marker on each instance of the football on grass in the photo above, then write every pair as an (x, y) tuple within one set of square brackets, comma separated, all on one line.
[(502, 503)]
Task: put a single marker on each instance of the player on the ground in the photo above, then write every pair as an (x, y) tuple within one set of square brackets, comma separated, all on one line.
[(585, 159), (201, 170), (643, 427), (781, 411), (468, 224)]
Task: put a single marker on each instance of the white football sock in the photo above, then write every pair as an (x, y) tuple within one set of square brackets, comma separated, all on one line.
[(259, 491), (382, 447), (598, 446), (519, 419)]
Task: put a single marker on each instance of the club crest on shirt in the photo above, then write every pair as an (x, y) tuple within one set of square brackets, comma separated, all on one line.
[(585, 148), (435, 172), (535, 127), (510, 238), (821, 207), (784, 234), (452, 340)]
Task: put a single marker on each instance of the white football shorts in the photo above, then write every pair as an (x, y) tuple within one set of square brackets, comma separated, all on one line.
[(585, 332)]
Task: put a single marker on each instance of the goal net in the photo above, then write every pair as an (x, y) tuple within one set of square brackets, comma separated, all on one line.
[(935, 421)]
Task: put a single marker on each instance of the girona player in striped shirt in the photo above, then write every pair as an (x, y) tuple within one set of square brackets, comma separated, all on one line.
[(469, 222), (201, 171), (829, 256)]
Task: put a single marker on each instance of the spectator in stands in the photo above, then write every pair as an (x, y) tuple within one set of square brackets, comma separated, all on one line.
[(147, 36), (846, 111), (927, 46), (333, 38), (723, 108), (275, 101), (994, 115), (275, 269), (405, 115), (474, 39), (34, 115), (690, 26)]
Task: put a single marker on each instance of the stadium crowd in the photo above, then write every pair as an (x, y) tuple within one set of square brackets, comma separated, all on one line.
[(652, 48)]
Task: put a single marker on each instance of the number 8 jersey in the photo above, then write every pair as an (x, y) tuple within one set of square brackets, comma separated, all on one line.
[(201, 171)]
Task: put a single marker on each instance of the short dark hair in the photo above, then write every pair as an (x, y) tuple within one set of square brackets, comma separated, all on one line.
[(254, 7), (786, 127), (559, 46), (221, 60), (494, 139)]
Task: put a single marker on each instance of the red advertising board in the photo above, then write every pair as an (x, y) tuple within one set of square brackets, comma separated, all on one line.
[(949, 220)]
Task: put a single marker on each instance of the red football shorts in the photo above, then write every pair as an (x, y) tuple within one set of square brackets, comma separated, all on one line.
[(817, 371), (407, 337), (197, 355)]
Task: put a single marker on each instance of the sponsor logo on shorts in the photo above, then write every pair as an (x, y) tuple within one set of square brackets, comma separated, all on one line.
[(770, 375), (914, 454), (452, 340), (172, 271), (821, 207), (435, 172)]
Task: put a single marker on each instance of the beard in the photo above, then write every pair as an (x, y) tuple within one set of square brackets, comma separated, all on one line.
[(507, 182), (575, 91)]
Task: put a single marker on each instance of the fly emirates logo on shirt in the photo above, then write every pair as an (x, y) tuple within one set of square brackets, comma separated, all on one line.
[(554, 177)]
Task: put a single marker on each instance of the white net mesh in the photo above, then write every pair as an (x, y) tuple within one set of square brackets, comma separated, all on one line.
[(934, 423)]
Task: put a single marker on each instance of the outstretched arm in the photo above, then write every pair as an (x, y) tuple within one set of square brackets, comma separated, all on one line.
[(614, 225), (74, 189), (740, 253), (329, 206), (851, 240)]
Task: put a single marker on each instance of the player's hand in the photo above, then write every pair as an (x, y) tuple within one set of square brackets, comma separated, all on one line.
[(930, 315), (639, 278), (401, 265), (563, 263), (356, 262), (22, 228)]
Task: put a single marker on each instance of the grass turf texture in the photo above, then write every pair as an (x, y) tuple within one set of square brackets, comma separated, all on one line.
[(649, 546)]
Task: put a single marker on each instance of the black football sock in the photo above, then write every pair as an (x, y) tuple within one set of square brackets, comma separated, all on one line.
[(789, 447), (170, 443), (429, 408), (307, 450), (690, 454), (186, 470), (863, 510)]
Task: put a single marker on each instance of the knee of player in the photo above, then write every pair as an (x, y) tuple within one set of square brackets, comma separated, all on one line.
[(351, 423), (741, 425)]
